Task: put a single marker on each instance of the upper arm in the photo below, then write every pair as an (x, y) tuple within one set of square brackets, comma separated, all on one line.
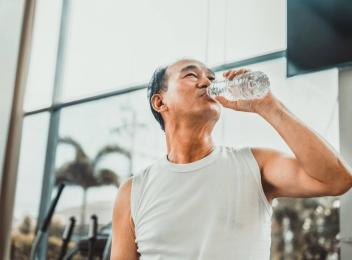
[(283, 176), (123, 245)]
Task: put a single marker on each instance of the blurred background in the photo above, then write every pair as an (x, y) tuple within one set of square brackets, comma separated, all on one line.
[(73, 78)]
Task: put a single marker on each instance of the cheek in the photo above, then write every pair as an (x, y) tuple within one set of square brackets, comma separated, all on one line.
[(182, 95)]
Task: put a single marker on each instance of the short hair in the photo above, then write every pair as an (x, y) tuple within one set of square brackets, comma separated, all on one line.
[(155, 86)]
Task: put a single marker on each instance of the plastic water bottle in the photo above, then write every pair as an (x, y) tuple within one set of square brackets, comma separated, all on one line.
[(249, 85)]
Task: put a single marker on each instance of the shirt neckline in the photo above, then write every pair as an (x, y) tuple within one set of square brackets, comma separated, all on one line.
[(188, 167)]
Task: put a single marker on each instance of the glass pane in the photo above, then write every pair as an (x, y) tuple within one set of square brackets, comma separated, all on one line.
[(243, 29), (113, 44), (101, 144), (43, 55), (254, 27), (302, 228), (29, 183)]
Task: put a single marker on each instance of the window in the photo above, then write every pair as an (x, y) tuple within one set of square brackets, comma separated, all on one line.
[(29, 183), (104, 140), (43, 55), (112, 45)]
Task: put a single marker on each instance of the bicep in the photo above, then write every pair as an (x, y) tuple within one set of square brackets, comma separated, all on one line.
[(123, 245), (285, 176)]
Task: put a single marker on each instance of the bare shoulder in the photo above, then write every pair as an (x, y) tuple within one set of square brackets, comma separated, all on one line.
[(123, 235), (125, 188), (262, 156), (123, 197)]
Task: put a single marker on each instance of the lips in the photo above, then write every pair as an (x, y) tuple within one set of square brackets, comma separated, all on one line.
[(205, 95)]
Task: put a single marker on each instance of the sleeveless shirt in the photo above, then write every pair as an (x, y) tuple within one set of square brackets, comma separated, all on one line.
[(211, 209)]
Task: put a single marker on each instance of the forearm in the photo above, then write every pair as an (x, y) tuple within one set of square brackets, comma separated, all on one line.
[(316, 156)]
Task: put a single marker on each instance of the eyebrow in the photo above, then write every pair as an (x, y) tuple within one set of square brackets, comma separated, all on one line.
[(189, 67), (211, 72), (192, 67)]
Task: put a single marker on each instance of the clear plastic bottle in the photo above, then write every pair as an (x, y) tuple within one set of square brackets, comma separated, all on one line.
[(249, 85)]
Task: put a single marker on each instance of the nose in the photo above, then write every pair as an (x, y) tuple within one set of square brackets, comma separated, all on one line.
[(204, 82)]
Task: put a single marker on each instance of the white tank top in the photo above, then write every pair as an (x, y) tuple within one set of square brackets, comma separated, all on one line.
[(210, 209)]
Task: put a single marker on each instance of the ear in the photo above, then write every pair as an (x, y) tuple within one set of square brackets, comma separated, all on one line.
[(158, 103)]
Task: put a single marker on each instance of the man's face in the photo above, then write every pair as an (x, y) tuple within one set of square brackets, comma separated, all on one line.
[(186, 96)]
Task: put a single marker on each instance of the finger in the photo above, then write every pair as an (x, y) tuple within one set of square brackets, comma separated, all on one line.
[(226, 103), (226, 73), (246, 70), (237, 72), (242, 71), (230, 75), (234, 73)]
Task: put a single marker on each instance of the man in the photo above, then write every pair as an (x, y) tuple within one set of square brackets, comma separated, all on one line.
[(203, 201)]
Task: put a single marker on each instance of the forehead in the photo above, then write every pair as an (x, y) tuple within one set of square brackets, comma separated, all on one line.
[(183, 65)]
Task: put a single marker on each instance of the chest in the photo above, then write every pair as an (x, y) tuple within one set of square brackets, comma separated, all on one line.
[(189, 209)]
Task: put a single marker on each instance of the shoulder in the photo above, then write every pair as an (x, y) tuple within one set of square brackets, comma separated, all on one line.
[(123, 197), (123, 231), (125, 191), (140, 176), (263, 155), (125, 188), (258, 153)]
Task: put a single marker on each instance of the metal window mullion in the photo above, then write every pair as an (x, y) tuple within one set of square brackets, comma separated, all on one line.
[(345, 129), (10, 168), (128, 89), (54, 122)]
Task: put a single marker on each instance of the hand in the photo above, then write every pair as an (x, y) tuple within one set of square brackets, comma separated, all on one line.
[(255, 105)]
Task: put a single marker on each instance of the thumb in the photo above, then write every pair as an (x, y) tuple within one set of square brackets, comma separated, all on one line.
[(225, 102)]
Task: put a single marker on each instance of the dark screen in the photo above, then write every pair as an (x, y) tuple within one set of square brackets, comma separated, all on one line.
[(319, 35)]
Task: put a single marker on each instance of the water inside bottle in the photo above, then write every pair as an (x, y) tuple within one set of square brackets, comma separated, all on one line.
[(246, 86)]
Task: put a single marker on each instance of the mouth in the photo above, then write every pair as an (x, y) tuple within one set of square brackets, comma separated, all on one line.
[(205, 95)]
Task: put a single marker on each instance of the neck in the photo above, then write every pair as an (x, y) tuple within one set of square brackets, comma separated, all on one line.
[(188, 144)]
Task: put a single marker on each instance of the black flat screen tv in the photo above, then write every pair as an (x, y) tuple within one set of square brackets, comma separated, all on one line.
[(319, 35)]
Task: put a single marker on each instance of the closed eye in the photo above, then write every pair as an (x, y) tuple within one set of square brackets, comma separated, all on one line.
[(191, 75)]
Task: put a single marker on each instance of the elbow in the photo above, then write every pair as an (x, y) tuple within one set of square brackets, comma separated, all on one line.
[(344, 182), (343, 186)]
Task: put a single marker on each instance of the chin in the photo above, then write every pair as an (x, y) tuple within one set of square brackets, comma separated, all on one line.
[(215, 106), (211, 111)]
